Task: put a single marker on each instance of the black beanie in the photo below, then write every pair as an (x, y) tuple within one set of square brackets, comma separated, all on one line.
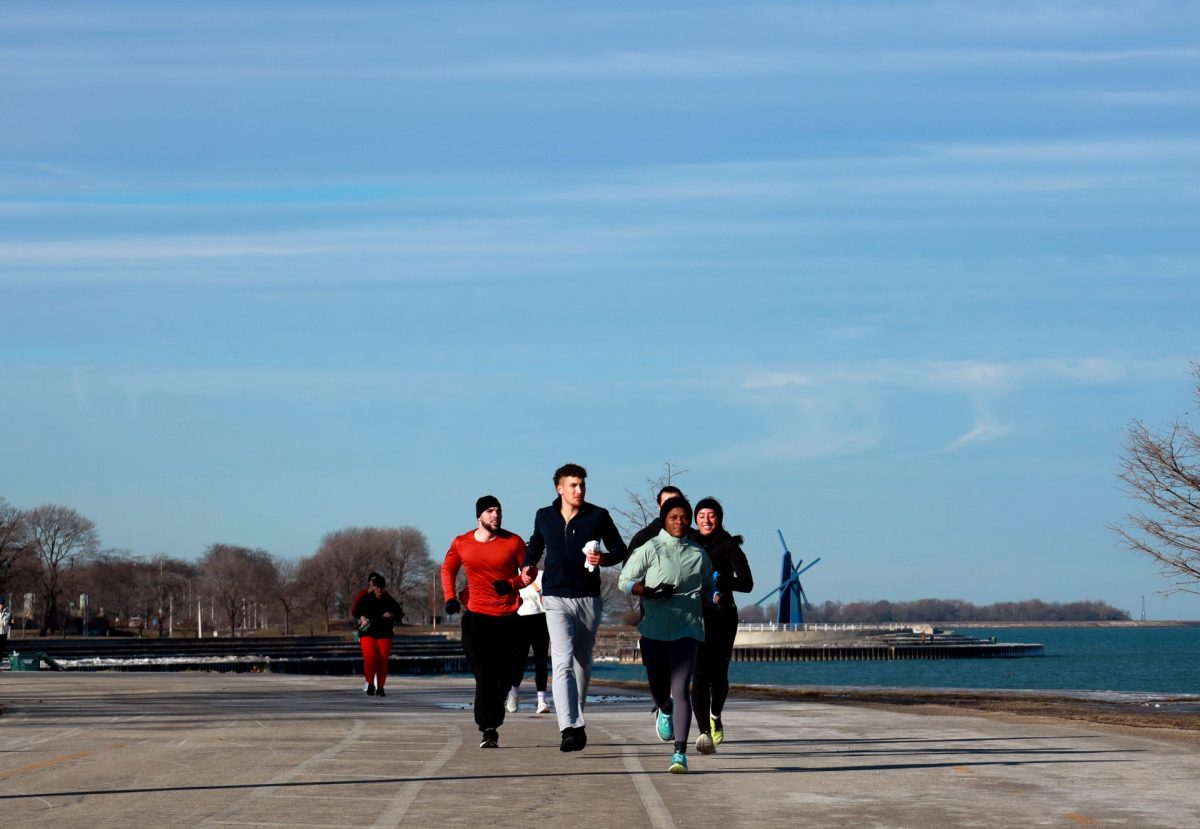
[(714, 505), (672, 503), (486, 503)]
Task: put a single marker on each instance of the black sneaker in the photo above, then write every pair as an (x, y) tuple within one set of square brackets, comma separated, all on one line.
[(379, 692), (369, 690), (580, 738), (568, 740), (491, 738)]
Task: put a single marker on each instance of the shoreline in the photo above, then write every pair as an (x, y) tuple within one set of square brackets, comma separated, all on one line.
[(1183, 623), (1166, 714)]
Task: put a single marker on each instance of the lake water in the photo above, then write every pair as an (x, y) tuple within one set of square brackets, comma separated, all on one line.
[(1156, 660)]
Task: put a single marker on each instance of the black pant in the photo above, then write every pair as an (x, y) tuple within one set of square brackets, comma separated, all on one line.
[(533, 634), (710, 686), (489, 643)]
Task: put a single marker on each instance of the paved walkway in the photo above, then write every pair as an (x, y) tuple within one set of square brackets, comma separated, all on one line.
[(220, 750)]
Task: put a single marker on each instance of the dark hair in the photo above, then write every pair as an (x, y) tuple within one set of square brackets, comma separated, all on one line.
[(569, 470), (676, 502), (669, 488), (376, 580)]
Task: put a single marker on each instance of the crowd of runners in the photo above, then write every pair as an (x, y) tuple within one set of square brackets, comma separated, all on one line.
[(546, 594)]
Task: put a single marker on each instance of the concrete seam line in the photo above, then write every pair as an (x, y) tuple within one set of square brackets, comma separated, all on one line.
[(394, 814), (656, 810), (356, 731)]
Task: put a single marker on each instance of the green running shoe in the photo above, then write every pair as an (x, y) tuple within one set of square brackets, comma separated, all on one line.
[(678, 763), (718, 732)]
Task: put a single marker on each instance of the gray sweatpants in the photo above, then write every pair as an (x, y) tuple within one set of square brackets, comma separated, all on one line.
[(573, 624)]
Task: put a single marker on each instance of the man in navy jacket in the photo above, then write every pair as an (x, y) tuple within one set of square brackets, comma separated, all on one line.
[(571, 588)]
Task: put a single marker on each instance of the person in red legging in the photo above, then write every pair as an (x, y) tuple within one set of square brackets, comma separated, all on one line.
[(377, 613)]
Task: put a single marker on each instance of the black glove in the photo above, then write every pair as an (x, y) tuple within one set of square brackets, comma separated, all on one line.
[(661, 591), (502, 587), (453, 607)]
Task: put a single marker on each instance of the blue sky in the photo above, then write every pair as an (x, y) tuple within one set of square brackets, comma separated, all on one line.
[(891, 277)]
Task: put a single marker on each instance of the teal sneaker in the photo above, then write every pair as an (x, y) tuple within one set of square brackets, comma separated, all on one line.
[(664, 726), (678, 763)]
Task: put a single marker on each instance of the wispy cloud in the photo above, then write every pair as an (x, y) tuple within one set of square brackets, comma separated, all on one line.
[(982, 431), (950, 375)]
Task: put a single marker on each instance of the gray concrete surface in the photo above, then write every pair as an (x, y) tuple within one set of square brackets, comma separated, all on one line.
[(213, 750)]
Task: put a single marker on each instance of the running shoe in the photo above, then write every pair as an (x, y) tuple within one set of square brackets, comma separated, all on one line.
[(718, 731), (664, 727), (491, 739), (379, 692), (705, 744), (369, 690), (568, 740), (580, 738), (543, 707), (678, 763), (510, 702)]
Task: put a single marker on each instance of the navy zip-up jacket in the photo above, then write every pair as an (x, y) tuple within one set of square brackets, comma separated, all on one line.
[(563, 573)]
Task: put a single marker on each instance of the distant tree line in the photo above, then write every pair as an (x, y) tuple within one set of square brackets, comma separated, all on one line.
[(57, 578), (51, 558), (948, 610)]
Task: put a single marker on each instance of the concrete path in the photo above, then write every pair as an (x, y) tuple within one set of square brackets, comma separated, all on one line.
[(220, 750)]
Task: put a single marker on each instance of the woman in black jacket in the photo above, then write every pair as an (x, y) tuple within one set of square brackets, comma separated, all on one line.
[(377, 614), (731, 571)]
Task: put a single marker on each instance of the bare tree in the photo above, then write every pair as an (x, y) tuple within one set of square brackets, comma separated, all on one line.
[(399, 554), (315, 582), (347, 556), (58, 536), (642, 505), (288, 589), (1162, 470), (13, 541), (236, 576), (408, 567), (113, 581)]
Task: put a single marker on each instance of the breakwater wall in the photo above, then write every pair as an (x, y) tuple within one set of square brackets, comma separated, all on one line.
[(442, 653), (867, 652), (331, 655)]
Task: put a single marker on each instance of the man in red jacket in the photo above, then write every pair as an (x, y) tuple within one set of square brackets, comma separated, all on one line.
[(492, 558)]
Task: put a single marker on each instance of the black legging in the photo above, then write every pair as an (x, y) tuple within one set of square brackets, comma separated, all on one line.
[(669, 666), (710, 688), (533, 634)]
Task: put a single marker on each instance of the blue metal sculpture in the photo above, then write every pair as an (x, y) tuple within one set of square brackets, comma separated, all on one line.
[(792, 599)]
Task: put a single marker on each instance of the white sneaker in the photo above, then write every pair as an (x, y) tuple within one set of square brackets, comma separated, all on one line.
[(543, 707), (704, 744), (510, 702)]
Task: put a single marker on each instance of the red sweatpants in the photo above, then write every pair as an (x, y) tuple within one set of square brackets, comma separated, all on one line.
[(375, 659)]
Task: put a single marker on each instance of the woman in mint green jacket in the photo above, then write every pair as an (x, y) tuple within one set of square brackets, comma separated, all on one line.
[(673, 575)]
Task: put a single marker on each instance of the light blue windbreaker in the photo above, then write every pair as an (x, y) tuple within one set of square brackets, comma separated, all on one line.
[(677, 561)]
